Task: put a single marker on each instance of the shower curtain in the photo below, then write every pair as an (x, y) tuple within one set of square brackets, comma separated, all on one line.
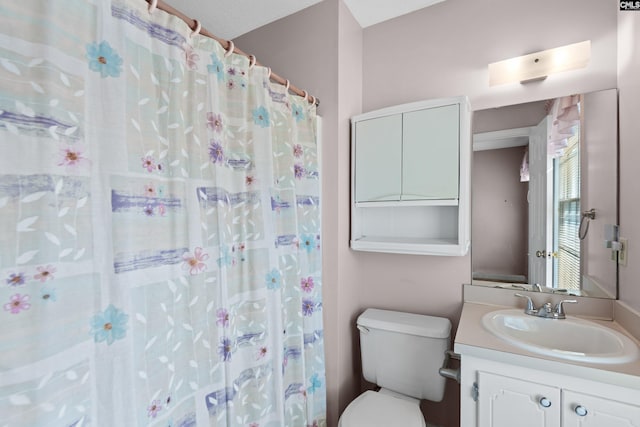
[(159, 227)]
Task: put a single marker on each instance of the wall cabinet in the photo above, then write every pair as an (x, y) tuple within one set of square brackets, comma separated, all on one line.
[(410, 178), (503, 395)]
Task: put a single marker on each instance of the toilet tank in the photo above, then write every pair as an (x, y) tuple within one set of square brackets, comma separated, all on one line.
[(402, 352)]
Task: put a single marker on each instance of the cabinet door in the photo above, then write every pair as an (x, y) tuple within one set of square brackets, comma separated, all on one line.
[(509, 402), (430, 153), (583, 410), (378, 159)]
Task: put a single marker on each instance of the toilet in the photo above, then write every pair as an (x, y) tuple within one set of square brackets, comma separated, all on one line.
[(401, 353)]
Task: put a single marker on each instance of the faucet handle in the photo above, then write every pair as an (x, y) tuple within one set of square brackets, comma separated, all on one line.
[(530, 307), (559, 310)]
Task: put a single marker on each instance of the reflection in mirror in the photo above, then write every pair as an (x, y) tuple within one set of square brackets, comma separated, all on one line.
[(544, 191)]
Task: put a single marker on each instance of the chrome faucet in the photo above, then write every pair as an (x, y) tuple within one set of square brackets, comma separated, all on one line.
[(546, 311)]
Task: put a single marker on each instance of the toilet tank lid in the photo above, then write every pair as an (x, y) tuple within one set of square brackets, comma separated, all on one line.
[(407, 323)]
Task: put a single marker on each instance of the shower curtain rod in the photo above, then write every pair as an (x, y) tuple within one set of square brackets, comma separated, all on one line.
[(226, 44)]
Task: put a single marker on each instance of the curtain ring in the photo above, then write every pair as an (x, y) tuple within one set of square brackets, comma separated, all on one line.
[(268, 72), (286, 87), (152, 6), (197, 30), (313, 100), (229, 49), (306, 95), (252, 61)]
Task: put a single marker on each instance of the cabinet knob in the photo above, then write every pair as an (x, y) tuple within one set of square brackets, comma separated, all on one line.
[(581, 411), (544, 402)]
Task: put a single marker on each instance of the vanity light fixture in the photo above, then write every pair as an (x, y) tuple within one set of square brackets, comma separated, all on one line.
[(538, 65)]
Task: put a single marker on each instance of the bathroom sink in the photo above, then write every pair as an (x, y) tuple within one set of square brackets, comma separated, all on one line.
[(571, 338)]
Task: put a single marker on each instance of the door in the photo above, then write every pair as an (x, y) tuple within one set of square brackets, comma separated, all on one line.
[(509, 402), (430, 153), (583, 410), (540, 207), (378, 159)]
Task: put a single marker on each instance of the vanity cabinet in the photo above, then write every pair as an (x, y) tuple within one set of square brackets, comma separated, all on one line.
[(504, 395), (410, 178), (504, 400)]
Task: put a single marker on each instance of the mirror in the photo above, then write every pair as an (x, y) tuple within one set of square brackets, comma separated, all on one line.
[(544, 195)]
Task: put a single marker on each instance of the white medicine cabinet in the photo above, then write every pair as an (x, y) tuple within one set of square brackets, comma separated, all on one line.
[(410, 169)]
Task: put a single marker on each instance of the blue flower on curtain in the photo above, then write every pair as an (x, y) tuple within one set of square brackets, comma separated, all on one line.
[(16, 279), (216, 152), (224, 349), (273, 279), (226, 258), (298, 171), (103, 59), (308, 242), (109, 325), (148, 210), (216, 67), (316, 383), (48, 294), (297, 112), (308, 307), (261, 117)]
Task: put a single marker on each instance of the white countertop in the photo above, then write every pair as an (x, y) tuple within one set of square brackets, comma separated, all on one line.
[(474, 340)]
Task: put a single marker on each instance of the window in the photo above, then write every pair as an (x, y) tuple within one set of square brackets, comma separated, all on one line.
[(567, 202)]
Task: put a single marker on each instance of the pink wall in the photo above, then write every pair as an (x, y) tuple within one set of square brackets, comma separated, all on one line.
[(629, 105), (444, 50), (440, 51), (510, 117), (499, 224), (598, 179)]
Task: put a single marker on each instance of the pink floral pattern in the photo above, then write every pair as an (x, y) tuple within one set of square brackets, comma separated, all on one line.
[(18, 303), (195, 262), (45, 273), (191, 58), (154, 409), (214, 122), (306, 283), (149, 163), (71, 157)]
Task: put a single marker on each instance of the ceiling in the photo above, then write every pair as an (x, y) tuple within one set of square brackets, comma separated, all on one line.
[(229, 19)]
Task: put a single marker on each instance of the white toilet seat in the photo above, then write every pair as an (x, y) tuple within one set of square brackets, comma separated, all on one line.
[(374, 409)]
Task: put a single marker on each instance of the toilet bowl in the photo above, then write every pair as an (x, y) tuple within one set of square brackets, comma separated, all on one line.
[(401, 353), (378, 409)]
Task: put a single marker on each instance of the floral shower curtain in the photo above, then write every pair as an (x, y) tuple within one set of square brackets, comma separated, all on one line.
[(159, 227)]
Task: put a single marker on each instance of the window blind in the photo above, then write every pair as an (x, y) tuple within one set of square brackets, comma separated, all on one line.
[(568, 197)]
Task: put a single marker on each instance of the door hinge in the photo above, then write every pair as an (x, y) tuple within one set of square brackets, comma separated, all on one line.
[(475, 392)]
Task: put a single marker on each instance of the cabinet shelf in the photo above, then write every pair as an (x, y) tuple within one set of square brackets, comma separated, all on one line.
[(385, 204), (410, 178), (408, 245)]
